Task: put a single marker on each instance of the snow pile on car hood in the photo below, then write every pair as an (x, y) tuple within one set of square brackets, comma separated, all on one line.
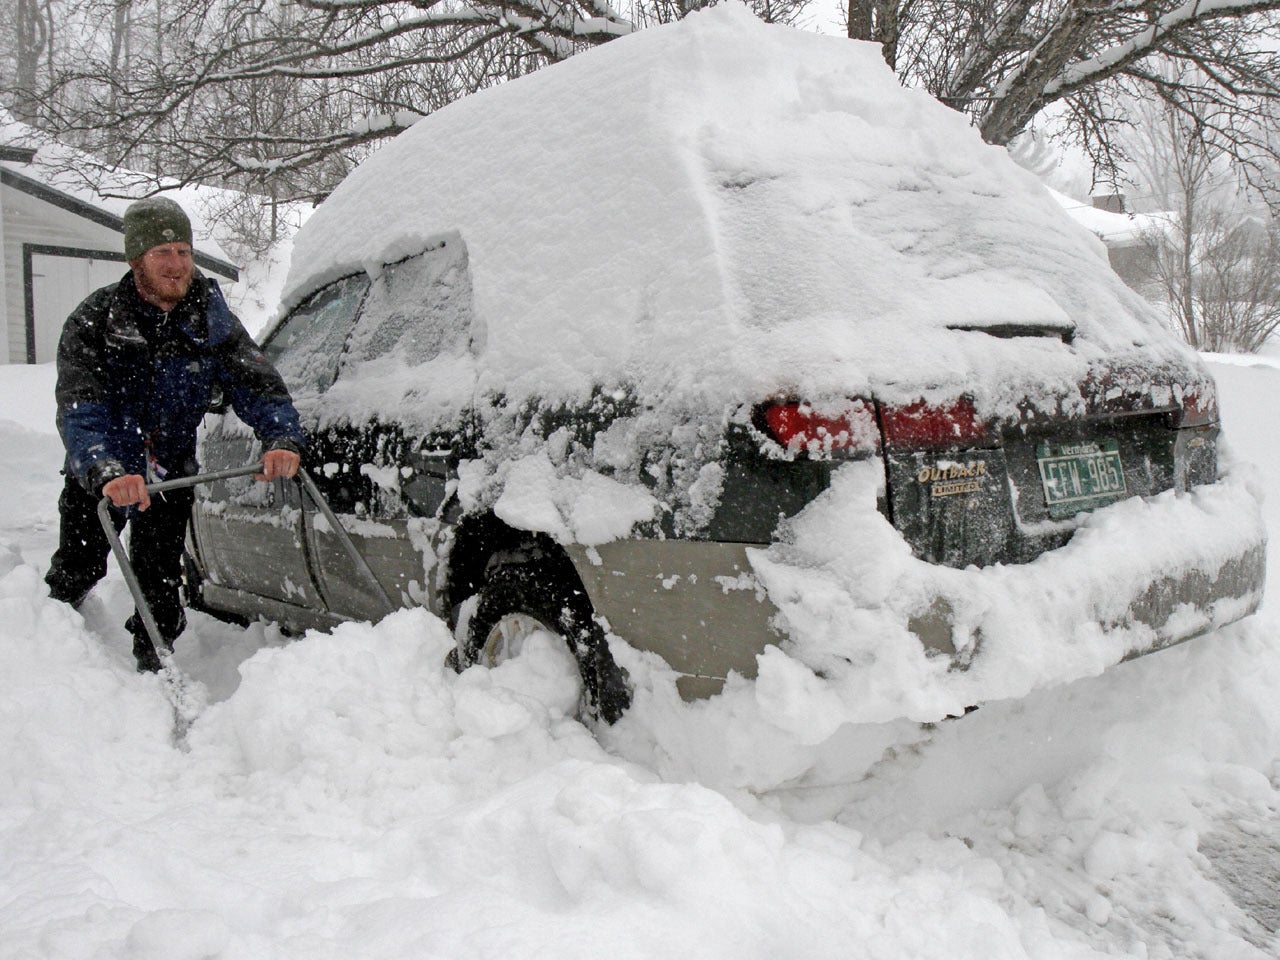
[(720, 209)]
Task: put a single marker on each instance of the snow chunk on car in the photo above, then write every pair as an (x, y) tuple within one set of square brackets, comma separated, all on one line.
[(723, 207)]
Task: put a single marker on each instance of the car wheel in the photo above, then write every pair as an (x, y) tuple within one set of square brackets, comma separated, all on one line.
[(520, 597)]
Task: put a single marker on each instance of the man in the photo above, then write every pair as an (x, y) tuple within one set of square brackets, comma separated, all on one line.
[(138, 362)]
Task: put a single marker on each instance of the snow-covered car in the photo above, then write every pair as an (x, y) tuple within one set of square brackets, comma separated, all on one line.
[(716, 344)]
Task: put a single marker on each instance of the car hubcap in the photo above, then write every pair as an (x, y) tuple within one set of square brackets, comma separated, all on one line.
[(507, 637)]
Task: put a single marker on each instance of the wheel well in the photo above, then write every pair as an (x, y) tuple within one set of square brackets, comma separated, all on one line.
[(482, 540), (482, 537)]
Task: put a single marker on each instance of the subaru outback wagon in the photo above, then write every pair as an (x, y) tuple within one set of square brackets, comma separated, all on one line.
[(571, 352)]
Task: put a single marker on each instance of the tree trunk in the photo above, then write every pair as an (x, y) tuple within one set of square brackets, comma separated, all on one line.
[(861, 22), (1021, 96), (33, 36), (1188, 305), (120, 58), (879, 22)]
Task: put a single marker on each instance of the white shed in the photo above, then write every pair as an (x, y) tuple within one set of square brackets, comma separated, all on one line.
[(58, 248)]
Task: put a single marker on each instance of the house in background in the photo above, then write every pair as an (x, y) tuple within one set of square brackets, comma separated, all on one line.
[(1128, 237), (60, 244)]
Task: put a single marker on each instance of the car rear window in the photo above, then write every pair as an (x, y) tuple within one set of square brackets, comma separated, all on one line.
[(417, 308)]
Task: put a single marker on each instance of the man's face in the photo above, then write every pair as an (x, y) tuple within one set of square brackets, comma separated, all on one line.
[(164, 273)]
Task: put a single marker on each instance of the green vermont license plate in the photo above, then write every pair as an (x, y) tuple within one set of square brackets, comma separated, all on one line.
[(1080, 476)]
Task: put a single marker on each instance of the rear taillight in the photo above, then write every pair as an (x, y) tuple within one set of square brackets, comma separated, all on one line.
[(1199, 407), (1195, 452), (922, 424), (848, 427)]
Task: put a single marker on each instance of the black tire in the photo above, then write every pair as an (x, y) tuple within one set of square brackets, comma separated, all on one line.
[(535, 590)]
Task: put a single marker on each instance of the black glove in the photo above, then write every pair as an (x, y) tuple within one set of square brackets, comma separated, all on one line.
[(99, 474)]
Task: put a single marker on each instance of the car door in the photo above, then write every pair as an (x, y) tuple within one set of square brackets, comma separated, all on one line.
[(249, 537), (394, 427)]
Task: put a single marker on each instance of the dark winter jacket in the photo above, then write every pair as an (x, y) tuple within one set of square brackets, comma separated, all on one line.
[(134, 382)]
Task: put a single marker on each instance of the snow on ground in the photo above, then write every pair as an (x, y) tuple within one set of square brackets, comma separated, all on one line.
[(346, 796)]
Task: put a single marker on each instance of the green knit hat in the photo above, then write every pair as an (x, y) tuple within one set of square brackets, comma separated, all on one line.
[(151, 222)]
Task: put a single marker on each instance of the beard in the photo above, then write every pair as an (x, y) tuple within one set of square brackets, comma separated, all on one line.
[(164, 284)]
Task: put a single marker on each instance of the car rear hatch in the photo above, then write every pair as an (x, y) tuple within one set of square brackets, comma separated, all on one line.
[(966, 490), (965, 487)]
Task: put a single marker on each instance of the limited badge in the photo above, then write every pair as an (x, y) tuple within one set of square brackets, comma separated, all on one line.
[(949, 479)]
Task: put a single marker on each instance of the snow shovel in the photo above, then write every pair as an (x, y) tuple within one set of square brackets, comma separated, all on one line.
[(186, 704)]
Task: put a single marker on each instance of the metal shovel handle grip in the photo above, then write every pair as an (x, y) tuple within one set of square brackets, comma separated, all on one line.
[(303, 478)]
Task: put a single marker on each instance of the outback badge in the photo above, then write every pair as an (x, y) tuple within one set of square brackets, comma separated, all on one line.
[(949, 478)]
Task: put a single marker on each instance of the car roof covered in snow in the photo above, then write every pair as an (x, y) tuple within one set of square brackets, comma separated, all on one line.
[(725, 208)]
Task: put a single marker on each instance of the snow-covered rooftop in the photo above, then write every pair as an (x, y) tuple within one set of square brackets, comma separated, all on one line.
[(68, 171), (1113, 229)]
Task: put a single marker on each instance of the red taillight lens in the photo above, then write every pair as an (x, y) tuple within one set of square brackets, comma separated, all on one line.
[(1199, 407), (921, 424), (798, 426)]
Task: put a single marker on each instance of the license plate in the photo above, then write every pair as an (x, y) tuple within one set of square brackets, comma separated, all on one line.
[(1080, 476)]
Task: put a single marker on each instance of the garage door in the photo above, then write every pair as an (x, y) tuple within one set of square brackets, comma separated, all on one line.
[(58, 283)]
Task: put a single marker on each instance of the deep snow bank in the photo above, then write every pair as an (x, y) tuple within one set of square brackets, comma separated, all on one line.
[(846, 600)]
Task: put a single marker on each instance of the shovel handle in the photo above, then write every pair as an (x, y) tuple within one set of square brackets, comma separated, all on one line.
[(200, 478), (122, 556), (303, 478), (131, 578)]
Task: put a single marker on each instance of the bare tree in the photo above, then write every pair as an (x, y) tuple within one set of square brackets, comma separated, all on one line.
[(245, 91), (1221, 280), (284, 97), (1005, 61), (1240, 289), (1216, 253), (346, 73), (32, 53)]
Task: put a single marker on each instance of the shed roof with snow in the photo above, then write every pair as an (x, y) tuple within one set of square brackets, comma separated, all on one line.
[(61, 241)]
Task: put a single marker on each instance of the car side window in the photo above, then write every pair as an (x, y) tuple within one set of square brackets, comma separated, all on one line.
[(418, 308), (306, 347)]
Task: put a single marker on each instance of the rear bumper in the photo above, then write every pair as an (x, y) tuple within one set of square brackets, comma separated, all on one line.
[(1122, 588), (1179, 608), (1173, 608)]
